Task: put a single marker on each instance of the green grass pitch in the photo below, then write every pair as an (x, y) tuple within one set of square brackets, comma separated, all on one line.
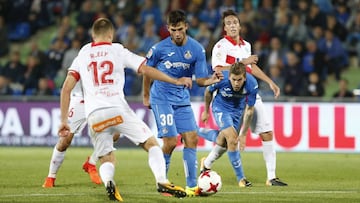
[(312, 177)]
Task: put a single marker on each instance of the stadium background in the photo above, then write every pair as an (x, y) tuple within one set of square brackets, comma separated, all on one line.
[(44, 36)]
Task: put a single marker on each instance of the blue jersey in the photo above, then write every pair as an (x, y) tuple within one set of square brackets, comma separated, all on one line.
[(229, 101), (176, 61)]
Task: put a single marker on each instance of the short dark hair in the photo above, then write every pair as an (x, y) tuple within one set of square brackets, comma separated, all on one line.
[(175, 17), (238, 68), (229, 13)]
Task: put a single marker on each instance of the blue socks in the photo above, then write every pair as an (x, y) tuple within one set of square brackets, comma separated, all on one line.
[(235, 161), (190, 165)]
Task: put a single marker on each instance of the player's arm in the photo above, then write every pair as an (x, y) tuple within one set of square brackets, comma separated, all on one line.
[(146, 90), (215, 78), (208, 97), (253, 59), (248, 116), (66, 89), (155, 74), (257, 72)]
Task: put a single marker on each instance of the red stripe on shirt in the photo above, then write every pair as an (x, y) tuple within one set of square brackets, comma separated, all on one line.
[(230, 59), (75, 74)]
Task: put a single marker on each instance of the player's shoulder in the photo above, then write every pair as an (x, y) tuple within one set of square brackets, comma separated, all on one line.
[(193, 42), (85, 48), (251, 81), (221, 43), (161, 44)]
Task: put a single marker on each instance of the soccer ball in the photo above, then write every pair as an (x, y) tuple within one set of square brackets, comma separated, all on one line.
[(209, 183)]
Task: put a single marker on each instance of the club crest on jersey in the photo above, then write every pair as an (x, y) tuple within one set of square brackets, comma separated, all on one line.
[(187, 54), (149, 53), (164, 130)]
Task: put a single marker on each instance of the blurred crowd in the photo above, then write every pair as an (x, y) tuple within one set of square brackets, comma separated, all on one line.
[(299, 43)]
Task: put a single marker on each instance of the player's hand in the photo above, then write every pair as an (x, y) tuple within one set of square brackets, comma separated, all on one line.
[(204, 117), (253, 59), (186, 81), (217, 76), (242, 141), (275, 89), (64, 130)]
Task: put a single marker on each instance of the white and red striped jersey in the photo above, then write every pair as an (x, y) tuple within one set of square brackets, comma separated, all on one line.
[(226, 52), (100, 68)]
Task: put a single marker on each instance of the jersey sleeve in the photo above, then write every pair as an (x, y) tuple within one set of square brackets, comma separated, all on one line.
[(252, 88), (201, 70), (151, 57), (132, 60), (218, 55), (74, 68)]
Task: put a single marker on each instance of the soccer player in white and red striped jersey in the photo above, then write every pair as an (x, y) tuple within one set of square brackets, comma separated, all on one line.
[(77, 122), (228, 50), (100, 68)]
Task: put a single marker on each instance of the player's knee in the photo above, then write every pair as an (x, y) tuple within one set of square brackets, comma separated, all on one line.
[(267, 136)]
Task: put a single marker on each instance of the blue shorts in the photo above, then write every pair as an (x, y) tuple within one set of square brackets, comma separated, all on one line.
[(225, 120), (172, 119)]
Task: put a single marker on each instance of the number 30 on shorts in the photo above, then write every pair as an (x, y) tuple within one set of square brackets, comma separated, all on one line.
[(166, 119)]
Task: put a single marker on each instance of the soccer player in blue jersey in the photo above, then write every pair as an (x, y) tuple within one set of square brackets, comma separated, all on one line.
[(178, 55), (228, 50), (235, 98)]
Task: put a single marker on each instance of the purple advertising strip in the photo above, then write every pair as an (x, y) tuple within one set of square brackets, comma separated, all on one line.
[(36, 123)]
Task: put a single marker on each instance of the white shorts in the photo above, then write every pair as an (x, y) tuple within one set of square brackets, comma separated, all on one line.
[(76, 116), (260, 122), (103, 123)]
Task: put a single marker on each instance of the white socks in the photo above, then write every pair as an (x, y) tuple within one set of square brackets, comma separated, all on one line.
[(157, 164), (106, 172), (56, 160), (215, 153), (269, 154), (93, 159)]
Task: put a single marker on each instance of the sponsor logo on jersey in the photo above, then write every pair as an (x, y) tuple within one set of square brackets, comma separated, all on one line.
[(171, 53), (168, 65)]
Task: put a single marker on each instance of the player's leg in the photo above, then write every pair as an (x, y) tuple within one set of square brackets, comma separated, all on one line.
[(217, 151), (103, 148), (164, 117), (186, 125), (262, 126), (208, 134), (233, 152), (157, 165), (140, 134), (57, 159), (89, 165)]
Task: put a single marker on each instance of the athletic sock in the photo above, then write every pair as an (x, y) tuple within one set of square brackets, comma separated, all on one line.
[(157, 164), (235, 160), (107, 171), (57, 159), (190, 166), (93, 159), (167, 158), (214, 154), (269, 155)]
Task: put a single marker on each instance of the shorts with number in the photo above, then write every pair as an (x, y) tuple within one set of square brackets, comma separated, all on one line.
[(225, 120), (172, 119), (103, 123), (76, 115), (260, 122)]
